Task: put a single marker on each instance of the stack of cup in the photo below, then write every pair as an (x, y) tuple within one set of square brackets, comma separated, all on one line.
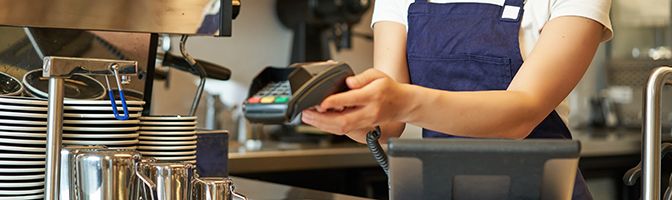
[(168, 138)]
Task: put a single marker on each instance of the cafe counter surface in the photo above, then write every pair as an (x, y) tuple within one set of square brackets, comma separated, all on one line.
[(254, 189)]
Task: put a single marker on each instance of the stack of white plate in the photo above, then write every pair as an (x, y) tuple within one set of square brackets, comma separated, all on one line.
[(92, 123), (168, 138), (23, 125)]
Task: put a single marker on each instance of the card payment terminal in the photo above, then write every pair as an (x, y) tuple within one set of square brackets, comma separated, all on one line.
[(278, 95)]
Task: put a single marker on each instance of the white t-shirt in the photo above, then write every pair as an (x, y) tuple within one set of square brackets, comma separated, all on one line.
[(537, 13)]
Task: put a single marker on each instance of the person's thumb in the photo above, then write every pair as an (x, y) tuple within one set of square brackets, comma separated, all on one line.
[(363, 79)]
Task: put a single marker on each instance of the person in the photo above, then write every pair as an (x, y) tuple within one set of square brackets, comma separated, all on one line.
[(455, 68)]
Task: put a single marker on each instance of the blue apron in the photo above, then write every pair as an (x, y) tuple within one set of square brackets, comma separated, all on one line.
[(472, 47)]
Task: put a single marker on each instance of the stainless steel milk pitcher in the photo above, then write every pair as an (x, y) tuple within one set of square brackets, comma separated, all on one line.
[(213, 188), (107, 174)]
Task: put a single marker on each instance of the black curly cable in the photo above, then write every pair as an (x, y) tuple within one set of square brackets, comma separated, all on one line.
[(377, 150)]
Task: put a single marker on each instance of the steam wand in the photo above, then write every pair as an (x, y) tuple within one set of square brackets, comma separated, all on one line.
[(201, 73)]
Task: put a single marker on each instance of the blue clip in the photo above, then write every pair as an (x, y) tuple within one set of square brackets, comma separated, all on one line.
[(122, 98)]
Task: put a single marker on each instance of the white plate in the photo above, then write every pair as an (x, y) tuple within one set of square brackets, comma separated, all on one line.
[(23, 149), (168, 143), (99, 129), (29, 184), (22, 141), (22, 156), (23, 170), (99, 122), (38, 136), (72, 136), (154, 133), (101, 108), (159, 148), (22, 192), (168, 128), (24, 108), (102, 102), (97, 116), (23, 128), (169, 118), (175, 158), (36, 196), (23, 114), (22, 162), (168, 138), (20, 177), (24, 101), (22, 122), (163, 153), (91, 142), (168, 123)]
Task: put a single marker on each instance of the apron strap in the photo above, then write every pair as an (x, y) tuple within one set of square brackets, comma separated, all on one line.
[(519, 3)]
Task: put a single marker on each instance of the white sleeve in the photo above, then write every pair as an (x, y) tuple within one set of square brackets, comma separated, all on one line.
[(388, 10), (597, 10)]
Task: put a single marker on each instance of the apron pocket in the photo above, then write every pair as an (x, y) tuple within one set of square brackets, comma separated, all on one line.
[(460, 72)]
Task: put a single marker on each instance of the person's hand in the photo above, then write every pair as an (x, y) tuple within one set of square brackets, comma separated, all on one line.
[(374, 99)]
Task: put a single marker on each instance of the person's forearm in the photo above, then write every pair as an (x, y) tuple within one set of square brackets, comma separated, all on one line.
[(483, 114)]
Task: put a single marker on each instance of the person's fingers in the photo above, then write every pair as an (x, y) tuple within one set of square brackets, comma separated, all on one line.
[(346, 99), (363, 79), (337, 122)]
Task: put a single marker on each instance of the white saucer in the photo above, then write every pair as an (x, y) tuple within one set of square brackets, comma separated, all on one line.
[(159, 148), (167, 143), (23, 108), (89, 142), (168, 123), (102, 102), (169, 118), (155, 133), (20, 177), (21, 156), (40, 136), (22, 192), (191, 138), (98, 122), (22, 162), (26, 197), (23, 128), (97, 116), (23, 149), (23, 170), (163, 153), (101, 136), (24, 100), (22, 141), (23, 115), (175, 158), (22, 122), (99, 129), (168, 128), (100, 108)]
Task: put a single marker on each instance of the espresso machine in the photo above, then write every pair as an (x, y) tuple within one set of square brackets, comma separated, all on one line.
[(104, 39)]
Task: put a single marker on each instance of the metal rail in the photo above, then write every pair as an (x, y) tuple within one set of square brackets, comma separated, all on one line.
[(651, 139)]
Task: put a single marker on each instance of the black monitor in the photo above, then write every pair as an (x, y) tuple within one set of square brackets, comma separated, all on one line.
[(467, 169)]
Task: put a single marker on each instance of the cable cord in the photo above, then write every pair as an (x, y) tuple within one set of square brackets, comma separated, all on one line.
[(377, 150)]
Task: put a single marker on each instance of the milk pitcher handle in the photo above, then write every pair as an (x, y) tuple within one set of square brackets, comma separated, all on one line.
[(232, 188), (147, 181)]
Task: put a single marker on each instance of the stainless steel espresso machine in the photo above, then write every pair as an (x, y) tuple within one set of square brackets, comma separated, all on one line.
[(106, 40)]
